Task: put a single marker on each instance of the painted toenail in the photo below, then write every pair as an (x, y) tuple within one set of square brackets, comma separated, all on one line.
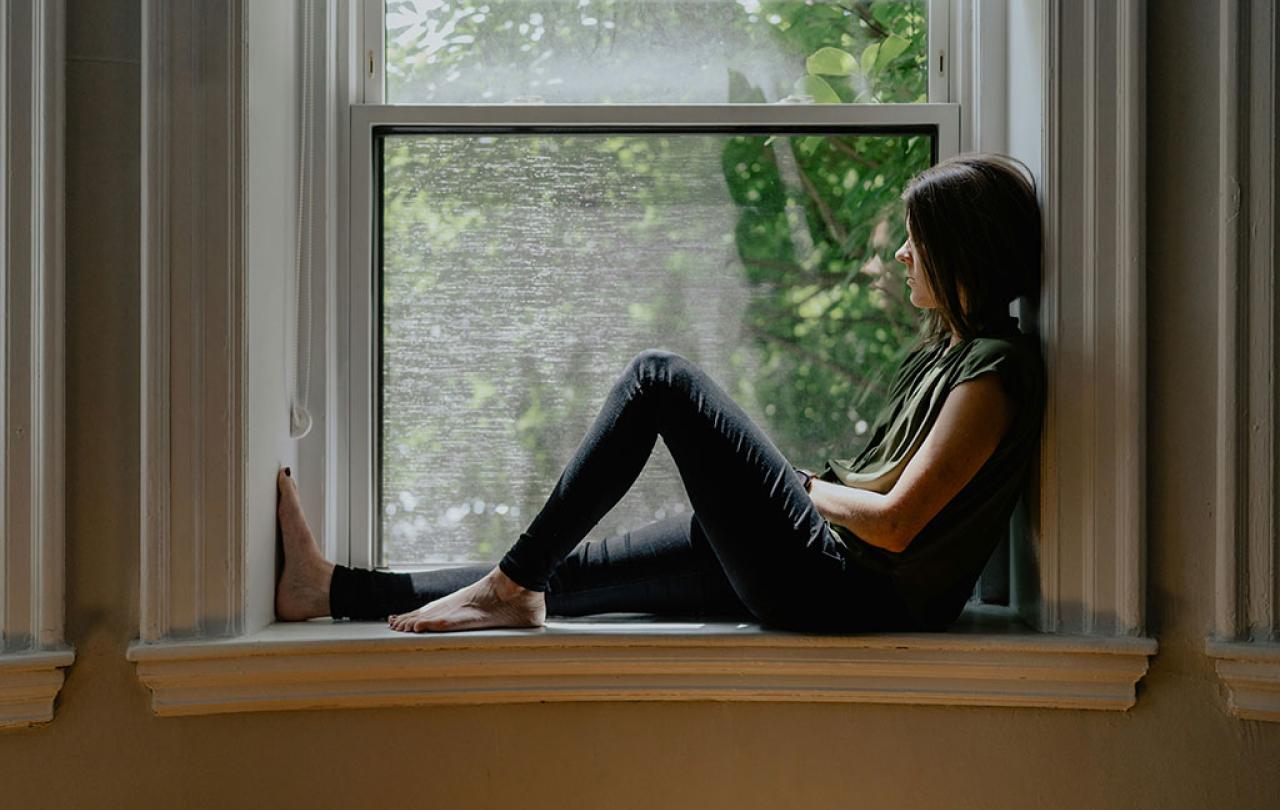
[(287, 472)]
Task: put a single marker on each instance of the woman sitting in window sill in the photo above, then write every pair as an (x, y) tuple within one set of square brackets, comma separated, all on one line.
[(892, 539)]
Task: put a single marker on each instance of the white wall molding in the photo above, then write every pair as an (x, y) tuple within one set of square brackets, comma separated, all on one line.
[(32, 647), (1250, 671), (1246, 624), (1089, 530), (348, 665), (29, 683), (193, 330)]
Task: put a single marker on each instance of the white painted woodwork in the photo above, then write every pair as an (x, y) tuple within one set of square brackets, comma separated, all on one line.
[(321, 664), (32, 648), (193, 330), (1246, 626), (29, 683), (1089, 531)]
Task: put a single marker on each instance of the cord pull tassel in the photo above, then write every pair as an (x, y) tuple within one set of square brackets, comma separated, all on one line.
[(299, 422)]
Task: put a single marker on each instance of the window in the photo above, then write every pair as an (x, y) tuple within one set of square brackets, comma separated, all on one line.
[(208, 642), (520, 264)]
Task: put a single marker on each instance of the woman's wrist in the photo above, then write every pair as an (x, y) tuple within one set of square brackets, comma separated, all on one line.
[(807, 478)]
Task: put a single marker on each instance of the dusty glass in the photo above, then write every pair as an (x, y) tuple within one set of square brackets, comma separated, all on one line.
[(655, 51)]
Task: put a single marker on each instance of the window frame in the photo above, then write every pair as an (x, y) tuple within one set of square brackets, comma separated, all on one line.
[(217, 649), (357, 331)]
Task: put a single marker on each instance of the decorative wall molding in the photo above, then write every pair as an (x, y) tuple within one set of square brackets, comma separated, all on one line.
[(348, 665), (1251, 673), (193, 326), (1089, 527), (1246, 625), (32, 648), (29, 683)]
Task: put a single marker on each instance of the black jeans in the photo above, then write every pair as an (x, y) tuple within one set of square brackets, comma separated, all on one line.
[(754, 547)]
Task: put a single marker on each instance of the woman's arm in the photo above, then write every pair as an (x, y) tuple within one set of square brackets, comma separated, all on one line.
[(973, 419)]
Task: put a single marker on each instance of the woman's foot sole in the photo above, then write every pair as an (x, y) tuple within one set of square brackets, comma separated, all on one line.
[(303, 590)]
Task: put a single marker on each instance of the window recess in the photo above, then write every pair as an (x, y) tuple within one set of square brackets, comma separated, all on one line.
[(208, 642)]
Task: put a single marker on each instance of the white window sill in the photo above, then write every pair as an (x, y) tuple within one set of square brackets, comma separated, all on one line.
[(1251, 673), (988, 659), (29, 683)]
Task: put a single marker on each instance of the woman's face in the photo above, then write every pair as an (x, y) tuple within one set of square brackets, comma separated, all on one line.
[(921, 295)]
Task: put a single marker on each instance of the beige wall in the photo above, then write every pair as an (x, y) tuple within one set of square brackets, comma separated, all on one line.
[(1176, 749)]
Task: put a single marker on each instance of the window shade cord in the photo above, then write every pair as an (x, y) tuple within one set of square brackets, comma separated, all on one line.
[(299, 417)]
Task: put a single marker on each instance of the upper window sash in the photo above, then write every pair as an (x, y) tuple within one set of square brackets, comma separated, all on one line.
[(371, 29)]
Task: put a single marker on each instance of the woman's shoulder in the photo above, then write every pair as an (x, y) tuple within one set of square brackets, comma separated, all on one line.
[(1015, 356)]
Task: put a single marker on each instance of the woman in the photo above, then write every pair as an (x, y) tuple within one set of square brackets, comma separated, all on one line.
[(891, 539)]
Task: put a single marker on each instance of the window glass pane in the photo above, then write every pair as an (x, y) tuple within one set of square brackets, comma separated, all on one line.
[(673, 51), (522, 272)]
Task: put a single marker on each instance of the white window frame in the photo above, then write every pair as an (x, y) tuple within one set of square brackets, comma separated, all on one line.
[(1083, 586), (33, 651)]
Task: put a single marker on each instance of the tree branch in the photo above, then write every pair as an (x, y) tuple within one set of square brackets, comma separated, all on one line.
[(863, 9), (849, 151), (824, 210)]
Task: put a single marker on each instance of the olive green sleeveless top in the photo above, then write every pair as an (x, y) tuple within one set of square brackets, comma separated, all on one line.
[(936, 573)]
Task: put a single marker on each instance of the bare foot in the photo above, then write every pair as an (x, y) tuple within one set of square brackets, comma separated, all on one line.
[(494, 601), (303, 589)]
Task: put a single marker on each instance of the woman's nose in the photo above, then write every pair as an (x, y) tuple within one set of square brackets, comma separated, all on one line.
[(903, 255)]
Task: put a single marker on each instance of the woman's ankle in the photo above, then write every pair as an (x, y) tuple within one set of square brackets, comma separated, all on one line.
[(506, 587)]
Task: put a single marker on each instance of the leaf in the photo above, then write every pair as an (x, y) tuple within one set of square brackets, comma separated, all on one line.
[(830, 62), (886, 13), (819, 89), (869, 57), (810, 144), (889, 50)]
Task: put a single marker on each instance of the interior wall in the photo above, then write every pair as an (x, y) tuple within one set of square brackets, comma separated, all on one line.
[(1177, 748)]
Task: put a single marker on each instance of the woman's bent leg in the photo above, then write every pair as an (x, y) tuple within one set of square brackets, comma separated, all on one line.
[(664, 567), (776, 549)]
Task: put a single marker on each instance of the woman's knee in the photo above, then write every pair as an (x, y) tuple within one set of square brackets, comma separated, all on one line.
[(656, 358), (660, 365)]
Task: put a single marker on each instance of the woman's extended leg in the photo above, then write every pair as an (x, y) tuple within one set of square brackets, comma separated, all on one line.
[(666, 566), (782, 560)]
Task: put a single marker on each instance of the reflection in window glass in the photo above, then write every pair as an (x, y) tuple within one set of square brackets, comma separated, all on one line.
[(521, 273), (672, 51)]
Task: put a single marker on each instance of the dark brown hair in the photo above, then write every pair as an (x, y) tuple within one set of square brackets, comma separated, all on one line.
[(974, 222)]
